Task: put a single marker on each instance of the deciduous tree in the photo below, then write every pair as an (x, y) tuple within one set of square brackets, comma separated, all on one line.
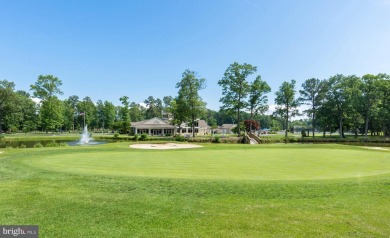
[(235, 89), (371, 95), (51, 112), (7, 99), (258, 99), (312, 94), (88, 110), (188, 102), (287, 104), (154, 107)]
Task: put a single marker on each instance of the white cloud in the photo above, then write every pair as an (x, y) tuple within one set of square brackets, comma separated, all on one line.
[(142, 104), (272, 109), (36, 100)]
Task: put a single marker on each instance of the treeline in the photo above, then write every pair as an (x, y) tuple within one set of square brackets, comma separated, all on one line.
[(19, 112), (340, 103), (349, 103)]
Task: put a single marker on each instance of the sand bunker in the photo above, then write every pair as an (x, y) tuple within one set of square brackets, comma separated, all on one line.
[(168, 146), (375, 148)]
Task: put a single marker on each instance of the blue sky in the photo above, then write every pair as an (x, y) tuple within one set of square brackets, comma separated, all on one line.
[(108, 49)]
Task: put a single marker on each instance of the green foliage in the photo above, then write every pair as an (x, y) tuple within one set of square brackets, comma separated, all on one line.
[(198, 139), (46, 87), (137, 112), (122, 126), (217, 139), (235, 88), (52, 144), (144, 137), (179, 138), (7, 101), (38, 145), (22, 146), (189, 104), (124, 111), (276, 125), (340, 103), (136, 137), (51, 114), (116, 135), (70, 113), (286, 102), (154, 107), (370, 97), (258, 100), (303, 133), (237, 130), (313, 94), (88, 107), (105, 114)]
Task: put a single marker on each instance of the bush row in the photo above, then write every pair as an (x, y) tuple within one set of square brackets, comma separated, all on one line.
[(39, 145), (265, 140)]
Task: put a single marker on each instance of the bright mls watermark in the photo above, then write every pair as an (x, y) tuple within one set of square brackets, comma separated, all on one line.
[(19, 231)]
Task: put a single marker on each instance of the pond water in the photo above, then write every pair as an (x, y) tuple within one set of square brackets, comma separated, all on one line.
[(45, 143)]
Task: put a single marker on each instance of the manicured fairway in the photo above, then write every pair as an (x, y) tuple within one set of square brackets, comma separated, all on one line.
[(268, 162), (217, 191)]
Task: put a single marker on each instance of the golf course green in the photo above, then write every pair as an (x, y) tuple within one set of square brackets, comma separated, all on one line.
[(219, 190), (269, 162)]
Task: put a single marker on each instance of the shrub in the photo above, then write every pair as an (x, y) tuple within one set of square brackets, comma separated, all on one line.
[(231, 140), (52, 144), (136, 137), (179, 138), (38, 145), (144, 137), (251, 125), (200, 139), (63, 144), (217, 139), (303, 133), (22, 146), (116, 135)]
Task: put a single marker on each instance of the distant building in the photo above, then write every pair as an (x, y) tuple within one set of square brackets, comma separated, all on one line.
[(265, 131), (225, 129), (153, 127), (162, 127)]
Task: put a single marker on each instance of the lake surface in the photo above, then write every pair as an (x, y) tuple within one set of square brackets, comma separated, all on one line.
[(31, 144)]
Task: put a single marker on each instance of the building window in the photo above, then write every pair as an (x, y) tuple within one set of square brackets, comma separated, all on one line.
[(168, 132), (156, 132), (143, 131)]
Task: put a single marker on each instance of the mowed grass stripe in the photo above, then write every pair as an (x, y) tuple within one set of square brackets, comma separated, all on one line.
[(257, 163)]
